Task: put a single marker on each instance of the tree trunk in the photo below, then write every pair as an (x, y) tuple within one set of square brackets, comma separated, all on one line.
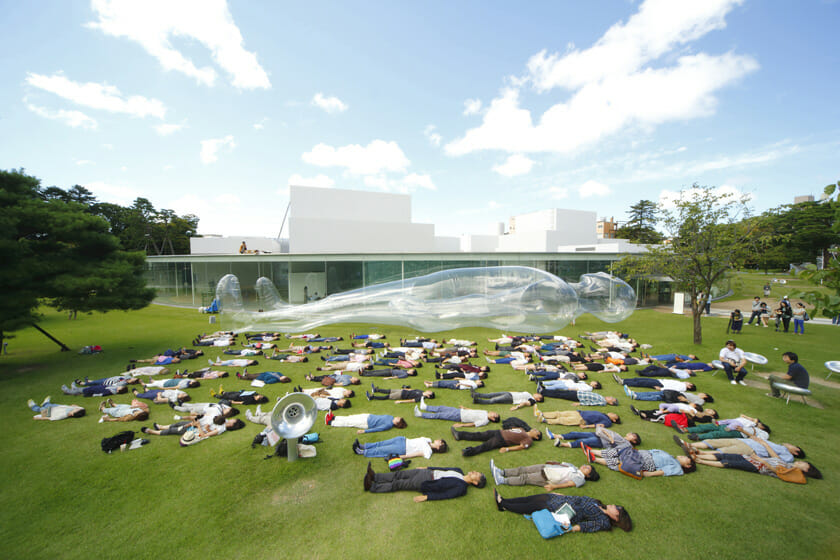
[(698, 329), (64, 347)]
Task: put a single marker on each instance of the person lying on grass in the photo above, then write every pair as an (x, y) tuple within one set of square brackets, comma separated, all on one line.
[(48, 410), (163, 396), (217, 426), (94, 390), (399, 396), (434, 483), (464, 417), (239, 397), (267, 377), (550, 475), (640, 463), (583, 418), (112, 380), (137, 410), (175, 383), (675, 416), (404, 448), (795, 472), (515, 439), (366, 423), (602, 437), (590, 514)]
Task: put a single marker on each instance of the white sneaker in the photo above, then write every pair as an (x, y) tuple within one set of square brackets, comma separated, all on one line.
[(30, 403), (176, 417), (259, 410), (248, 415), (417, 412), (742, 382), (422, 404), (734, 382)]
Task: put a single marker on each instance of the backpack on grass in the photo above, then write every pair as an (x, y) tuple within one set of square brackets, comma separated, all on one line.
[(114, 442)]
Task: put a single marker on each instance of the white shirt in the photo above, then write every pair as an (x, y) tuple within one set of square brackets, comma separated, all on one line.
[(520, 397), (736, 355), (558, 474), (477, 417), (672, 384), (419, 445)]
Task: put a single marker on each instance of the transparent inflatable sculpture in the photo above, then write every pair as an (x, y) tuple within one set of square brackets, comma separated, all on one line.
[(512, 298)]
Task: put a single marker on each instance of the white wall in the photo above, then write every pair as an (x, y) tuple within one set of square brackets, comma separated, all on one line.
[(347, 236), (230, 245), (318, 203), (479, 243)]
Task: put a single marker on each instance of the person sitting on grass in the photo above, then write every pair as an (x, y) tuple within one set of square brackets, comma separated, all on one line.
[(515, 439), (465, 417), (733, 361), (404, 448), (399, 396), (366, 423), (551, 475), (433, 483), (123, 412), (796, 471), (590, 514), (50, 411)]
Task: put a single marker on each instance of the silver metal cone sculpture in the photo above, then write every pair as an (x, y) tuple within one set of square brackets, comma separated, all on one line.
[(292, 417)]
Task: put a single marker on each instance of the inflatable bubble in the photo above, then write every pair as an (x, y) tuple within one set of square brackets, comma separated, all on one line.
[(511, 298)]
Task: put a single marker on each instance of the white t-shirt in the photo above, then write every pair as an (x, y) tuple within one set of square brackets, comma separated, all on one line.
[(736, 355), (447, 474), (672, 384), (558, 474), (355, 366), (419, 445), (520, 397), (478, 417)]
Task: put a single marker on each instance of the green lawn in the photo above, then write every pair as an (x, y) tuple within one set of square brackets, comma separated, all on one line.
[(66, 499)]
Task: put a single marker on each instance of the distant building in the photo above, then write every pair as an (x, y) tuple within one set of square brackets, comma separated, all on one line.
[(803, 198), (605, 229)]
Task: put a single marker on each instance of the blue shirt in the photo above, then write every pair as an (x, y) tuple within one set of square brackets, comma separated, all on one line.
[(379, 423), (666, 463)]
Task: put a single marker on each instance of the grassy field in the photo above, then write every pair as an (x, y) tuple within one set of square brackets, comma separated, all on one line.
[(66, 499)]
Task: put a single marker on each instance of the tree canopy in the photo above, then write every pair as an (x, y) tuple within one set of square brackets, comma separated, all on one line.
[(55, 251), (641, 227), (826, 304), (708, 236)]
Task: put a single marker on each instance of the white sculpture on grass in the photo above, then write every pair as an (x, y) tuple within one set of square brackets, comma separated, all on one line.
[(514, 298)]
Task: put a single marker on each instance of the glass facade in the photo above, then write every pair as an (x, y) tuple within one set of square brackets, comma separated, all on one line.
[(190, 281)]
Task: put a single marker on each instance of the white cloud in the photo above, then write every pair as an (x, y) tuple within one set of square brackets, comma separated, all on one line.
[(329, 104), (84, 162), (124, 168), (418, 180), (318, 181), (97, 96), (517, 164), (472, 106), (109, 147), (259, 125), (227, 199), (405, 184), (376, 157), (613, 84), (75, 119), (434, 138), (115, 194), (210, 148), (558, 193), (593, 188), (167, 129), (153, 23)]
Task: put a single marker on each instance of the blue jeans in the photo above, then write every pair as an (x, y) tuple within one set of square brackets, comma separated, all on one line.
[(442, 413), (384, 448), (649, 396), (39, 408), (799, 326), (576, 438), (546, 375), (445, 384)]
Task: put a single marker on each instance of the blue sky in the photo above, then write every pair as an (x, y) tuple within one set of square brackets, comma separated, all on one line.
[(480, 110)]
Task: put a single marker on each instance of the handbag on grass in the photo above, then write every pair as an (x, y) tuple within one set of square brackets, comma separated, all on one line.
[(547, 523)]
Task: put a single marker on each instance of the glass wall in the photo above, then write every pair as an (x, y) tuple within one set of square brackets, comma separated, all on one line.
[(192, 281)]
